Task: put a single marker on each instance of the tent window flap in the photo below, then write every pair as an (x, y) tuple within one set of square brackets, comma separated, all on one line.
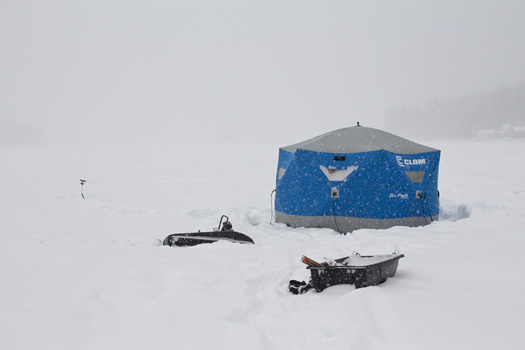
[(416, 176), (337, 174)]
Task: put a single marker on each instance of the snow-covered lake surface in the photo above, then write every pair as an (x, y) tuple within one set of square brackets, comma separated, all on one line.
[(89, 274)]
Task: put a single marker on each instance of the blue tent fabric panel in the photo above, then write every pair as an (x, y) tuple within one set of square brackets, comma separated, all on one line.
[(378, 188), (305, 190)]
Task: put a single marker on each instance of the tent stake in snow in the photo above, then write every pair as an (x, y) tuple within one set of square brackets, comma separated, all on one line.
[(82, 182)]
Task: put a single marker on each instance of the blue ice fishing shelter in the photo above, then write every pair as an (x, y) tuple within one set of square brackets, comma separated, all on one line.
[(357, 177)]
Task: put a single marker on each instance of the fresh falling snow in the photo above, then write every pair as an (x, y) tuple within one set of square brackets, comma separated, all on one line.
[(89, 273)]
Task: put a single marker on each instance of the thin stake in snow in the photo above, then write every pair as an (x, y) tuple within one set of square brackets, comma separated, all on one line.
[(272, 211), (82, 182)]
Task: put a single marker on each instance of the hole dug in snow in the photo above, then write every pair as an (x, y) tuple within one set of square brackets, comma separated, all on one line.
[(454, 212)]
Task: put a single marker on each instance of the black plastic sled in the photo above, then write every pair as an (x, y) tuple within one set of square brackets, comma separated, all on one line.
[(224, 232), (361, 271)]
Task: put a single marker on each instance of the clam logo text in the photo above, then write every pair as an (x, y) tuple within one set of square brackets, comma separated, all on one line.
[(403, 162)]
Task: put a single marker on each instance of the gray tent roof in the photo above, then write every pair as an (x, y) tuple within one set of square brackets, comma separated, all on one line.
[(358, 139)]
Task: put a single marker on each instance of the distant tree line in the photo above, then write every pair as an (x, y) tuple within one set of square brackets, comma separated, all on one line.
[(500, 113)]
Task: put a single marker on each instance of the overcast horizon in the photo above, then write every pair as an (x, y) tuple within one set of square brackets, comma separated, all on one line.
[(239, 71)]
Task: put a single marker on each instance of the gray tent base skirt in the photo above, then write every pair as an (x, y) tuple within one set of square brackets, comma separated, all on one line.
[(345, 224)]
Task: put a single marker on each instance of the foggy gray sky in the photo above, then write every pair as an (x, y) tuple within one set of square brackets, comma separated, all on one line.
[(164, 70)]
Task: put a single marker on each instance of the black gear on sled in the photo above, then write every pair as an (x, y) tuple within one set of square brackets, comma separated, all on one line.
[(299, 287), (224, 232)]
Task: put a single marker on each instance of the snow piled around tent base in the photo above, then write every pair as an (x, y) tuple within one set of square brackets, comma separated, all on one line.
[(89, 274)]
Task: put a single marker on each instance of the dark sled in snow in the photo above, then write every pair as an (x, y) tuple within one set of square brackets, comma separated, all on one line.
[(361, 271), (224, 232)]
